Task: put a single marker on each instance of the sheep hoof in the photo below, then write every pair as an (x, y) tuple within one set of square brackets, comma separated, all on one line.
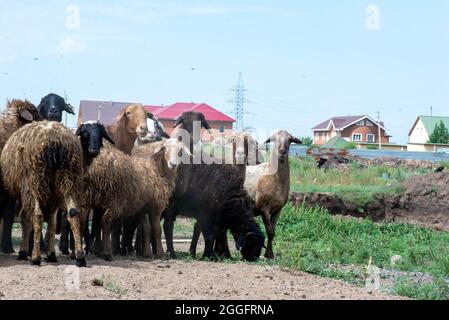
[(172, 255), (107, 257), (52, 258), (269, 255), (7, 250), (36, 261), (72, 256), (80, 260), (22, 256)]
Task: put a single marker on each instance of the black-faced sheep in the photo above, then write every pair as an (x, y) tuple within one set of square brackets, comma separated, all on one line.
[(52, 106), (120, 186), (268, 184), (42, 165), (214, 195), (17, 114)]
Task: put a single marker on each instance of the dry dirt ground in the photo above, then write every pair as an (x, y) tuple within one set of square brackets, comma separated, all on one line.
[(133, 278)]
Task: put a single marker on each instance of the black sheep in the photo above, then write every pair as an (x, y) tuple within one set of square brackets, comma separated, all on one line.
[(215, 196)]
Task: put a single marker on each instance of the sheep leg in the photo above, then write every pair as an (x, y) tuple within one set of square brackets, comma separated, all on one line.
[(38, 220), (146, 228), (209, 239), (157, 234), (8, 221), (195, 238), (115, 234), (129, 228), (74, 219), (64, 238), (106, 223), (50, 236), (221, 245), (168, 232), (269, 227), (139, 241), (25, 222), (96, 232)]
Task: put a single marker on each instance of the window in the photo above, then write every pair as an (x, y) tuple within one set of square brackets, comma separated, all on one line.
[(370, 138), (361, 123), (221, 129), (369, 123), (356, 137)]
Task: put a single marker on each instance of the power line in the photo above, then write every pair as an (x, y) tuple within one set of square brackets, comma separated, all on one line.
[(239, 103)]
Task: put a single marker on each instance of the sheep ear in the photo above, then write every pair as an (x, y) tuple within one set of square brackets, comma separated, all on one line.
[(178, 121), (158, 151), (187, 151), (165, 135), (107, 136), (204, 123), (270, 139), (24, 114), (295, 140), (69, 108), (151, 116), (79, 130), (120, 115)]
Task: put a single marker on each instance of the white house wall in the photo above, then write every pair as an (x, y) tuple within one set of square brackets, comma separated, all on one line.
[(419, 134)]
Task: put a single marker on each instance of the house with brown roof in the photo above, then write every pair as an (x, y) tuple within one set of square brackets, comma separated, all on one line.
[(107, 111), (359, 129)]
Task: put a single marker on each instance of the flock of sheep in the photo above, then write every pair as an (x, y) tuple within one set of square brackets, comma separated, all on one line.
[(126, 181)]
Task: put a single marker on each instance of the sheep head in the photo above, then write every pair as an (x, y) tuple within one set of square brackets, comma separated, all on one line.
[(173, 152), (135, 118), (282, 141), (52, 106), (91, 136), (250, 243), (26, 111)]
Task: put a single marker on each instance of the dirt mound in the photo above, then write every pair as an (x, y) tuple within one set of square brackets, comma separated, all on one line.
[(374, 210), (131, 278), (398, 163), (423, 201)]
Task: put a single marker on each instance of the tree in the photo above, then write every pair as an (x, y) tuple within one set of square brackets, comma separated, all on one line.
[(440, 134), (307, 141)]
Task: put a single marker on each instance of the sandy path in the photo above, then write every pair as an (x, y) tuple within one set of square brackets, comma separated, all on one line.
[(173, 279)]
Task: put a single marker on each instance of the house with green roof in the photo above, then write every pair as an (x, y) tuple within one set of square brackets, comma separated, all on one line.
[(419, 134)]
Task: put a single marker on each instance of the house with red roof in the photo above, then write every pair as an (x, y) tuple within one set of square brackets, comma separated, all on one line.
[(107, 111), (359, 129)]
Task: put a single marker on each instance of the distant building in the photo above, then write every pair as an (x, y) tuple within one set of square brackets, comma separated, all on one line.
[(107, 111), (419, 134), (358, 129), (220, 123)]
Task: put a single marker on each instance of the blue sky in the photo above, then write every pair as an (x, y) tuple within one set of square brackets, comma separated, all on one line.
[(302, 61)]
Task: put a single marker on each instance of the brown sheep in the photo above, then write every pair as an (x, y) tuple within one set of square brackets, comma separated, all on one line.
[(42, 165), (121, 186), (17, 114), (131, 123), (268, 184)]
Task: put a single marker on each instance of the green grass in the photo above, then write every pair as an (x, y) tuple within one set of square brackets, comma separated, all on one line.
[(110, 284), (358, 185), (313, 241)]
